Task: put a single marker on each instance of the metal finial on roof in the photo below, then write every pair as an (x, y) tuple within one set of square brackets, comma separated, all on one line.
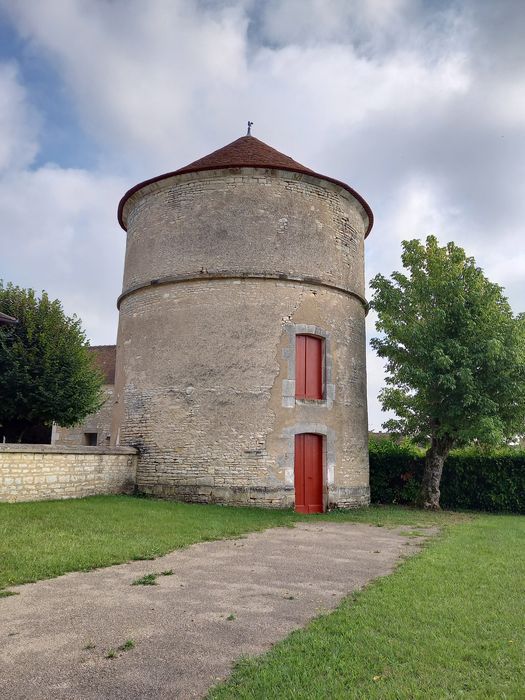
[(250, 124)]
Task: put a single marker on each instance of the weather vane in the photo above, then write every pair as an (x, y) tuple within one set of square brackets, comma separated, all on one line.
[(250, 124)]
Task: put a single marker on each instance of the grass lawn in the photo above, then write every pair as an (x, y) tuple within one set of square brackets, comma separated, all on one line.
[(48, 538), (448, 624)]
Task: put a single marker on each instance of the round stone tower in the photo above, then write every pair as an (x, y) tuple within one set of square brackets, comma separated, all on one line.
[(241, 372)]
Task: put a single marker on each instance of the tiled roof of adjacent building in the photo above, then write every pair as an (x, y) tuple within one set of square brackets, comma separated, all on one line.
[(6, 320), (245, 152), (105, 360)]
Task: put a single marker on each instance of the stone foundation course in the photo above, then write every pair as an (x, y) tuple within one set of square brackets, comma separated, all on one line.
[(44, 472)]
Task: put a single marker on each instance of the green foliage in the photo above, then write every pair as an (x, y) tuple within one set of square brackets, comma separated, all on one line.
[(396, 471), (455, 353), (8, 594), (113, 653), (473, 478), (46, 371), (128, 644), (490, 482), (146, 580)]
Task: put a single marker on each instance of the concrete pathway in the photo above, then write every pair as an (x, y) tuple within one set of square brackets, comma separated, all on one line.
[(272, 582)]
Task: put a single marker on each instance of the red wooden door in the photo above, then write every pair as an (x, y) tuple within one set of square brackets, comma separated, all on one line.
[(308, 469)]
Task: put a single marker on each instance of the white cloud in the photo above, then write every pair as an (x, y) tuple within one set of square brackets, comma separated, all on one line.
[(318, 22), (173, 77), (507, 102), (59, 233), (144, 77), (418, 105), (18, 122)]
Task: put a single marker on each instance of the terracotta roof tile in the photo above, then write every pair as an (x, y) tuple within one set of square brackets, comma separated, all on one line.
[(104, 356), (248, 152), (245, 152), (6, 320)]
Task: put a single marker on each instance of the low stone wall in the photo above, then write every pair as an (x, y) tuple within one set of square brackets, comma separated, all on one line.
[(43, 472)]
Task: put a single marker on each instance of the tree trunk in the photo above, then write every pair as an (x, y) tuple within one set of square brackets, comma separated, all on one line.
[(434, 460)]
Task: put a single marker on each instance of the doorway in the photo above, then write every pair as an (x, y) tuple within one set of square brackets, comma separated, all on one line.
[(308, 473)]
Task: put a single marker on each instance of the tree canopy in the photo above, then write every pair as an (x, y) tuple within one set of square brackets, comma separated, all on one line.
[(46, 371), (455, 354)]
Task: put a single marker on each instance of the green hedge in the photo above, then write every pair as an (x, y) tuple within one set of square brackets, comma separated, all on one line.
[(472, 479)]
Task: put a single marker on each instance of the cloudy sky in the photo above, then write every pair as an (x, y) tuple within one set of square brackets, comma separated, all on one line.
[(418, 104)]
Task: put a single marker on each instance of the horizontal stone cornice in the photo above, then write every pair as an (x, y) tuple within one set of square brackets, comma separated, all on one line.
[(206, 276), (63, 449)]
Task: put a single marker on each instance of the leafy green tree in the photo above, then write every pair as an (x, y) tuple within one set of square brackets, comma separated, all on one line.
[(46, 371), (455, 355)]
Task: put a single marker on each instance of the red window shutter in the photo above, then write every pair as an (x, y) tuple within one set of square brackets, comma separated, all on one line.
[(300, 366), (314, 367), (309, 367)]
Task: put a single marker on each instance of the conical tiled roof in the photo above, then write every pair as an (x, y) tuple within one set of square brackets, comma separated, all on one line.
[(245, 152)]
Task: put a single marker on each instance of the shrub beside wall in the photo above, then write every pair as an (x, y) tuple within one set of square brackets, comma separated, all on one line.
[(472, 479)]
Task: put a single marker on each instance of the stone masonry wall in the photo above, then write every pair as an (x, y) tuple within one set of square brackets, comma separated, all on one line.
[(246, 221), (210, 415), (43, 472), (222, 270)]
